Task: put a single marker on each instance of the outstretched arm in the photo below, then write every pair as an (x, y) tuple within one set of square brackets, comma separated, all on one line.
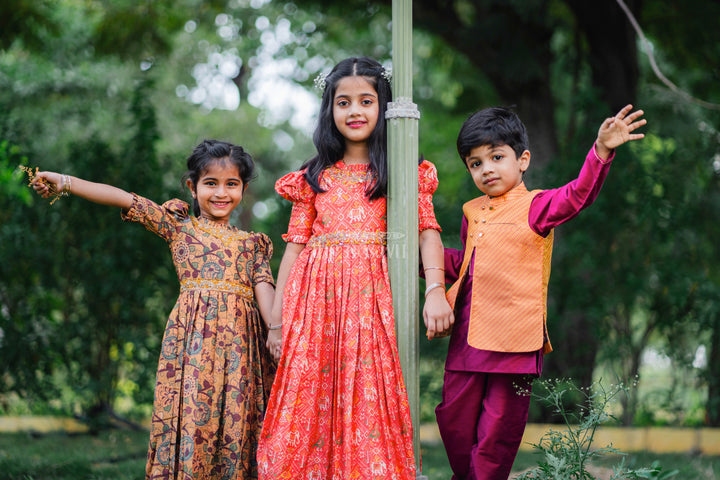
[(94, 192), (615, 131), (437, 313)]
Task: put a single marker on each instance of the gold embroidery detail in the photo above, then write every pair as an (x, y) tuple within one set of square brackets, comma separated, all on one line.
[(227, 234), (344, 238), (217, 285), (348, 176)]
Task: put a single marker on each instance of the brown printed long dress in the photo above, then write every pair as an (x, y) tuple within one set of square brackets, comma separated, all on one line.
[(214, 374)]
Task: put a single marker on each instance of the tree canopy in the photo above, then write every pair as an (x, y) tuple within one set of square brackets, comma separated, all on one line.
[(119, 92)]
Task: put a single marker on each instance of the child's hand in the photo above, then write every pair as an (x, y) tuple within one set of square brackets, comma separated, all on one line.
[(47, 184), (616, 130), (274, 343), (438, 315)]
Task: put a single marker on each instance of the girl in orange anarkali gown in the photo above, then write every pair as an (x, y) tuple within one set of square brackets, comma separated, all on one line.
[(339, 409)]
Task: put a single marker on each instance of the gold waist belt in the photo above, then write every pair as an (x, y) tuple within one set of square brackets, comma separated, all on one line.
[(344, 238), (217, 285)]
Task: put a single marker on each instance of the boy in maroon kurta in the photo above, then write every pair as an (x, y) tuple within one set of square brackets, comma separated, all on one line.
[(499, 290)]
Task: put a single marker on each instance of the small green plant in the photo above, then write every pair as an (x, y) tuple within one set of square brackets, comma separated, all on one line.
[(567, 453)]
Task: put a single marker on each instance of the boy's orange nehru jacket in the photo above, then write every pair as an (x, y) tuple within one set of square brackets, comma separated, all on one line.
[(511, 271)]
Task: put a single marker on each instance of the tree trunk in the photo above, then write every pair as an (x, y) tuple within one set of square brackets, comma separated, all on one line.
[(517, 61), (611, 41)]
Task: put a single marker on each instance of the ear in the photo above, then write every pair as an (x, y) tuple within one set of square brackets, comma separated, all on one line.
[(524, 160), (191, 186)]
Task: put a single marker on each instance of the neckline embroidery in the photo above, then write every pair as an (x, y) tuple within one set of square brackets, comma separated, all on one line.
[(226, 233)]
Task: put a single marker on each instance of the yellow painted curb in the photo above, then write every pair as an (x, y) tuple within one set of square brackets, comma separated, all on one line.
[(41, 424), (625, 439)]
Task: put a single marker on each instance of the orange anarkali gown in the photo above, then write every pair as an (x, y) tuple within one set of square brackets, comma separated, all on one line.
[(338, 408)]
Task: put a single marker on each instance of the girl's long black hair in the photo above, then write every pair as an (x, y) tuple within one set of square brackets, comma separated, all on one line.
[(330, 144), (208, 152)]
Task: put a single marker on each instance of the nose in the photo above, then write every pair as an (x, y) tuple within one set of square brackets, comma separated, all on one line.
[(354, 108), (221, 191)]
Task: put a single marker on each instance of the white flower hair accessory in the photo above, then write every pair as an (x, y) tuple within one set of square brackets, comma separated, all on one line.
[(321, 81)]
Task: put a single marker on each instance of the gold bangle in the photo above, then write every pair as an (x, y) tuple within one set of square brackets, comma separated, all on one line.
[(432, 286), (275, 327), (434, 268)]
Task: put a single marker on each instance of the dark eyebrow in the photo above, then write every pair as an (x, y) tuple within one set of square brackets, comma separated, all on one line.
[(360, 95), (232, 179)]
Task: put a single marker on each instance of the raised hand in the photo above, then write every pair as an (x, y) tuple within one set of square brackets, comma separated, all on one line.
[(615, 131)]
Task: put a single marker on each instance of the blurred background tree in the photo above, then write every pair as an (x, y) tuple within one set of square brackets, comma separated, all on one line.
[(120, 92)]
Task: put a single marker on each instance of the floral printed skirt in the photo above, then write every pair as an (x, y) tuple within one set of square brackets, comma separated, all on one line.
[(213, 382)]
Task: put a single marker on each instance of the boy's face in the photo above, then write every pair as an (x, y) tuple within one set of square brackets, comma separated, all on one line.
[(496, 170)]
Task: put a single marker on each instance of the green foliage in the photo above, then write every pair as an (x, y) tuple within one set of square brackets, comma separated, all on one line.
[(77, 307), (84, 298), (567, 454), (431, 381), (17, 15), (12, 177)]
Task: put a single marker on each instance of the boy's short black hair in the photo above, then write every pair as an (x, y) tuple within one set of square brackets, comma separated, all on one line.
[(492, 126)]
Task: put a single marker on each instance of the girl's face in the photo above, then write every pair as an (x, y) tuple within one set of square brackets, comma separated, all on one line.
[(355, 109), (496, 170), (218, 191)]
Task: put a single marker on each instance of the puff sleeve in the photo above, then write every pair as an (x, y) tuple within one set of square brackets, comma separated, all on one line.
[(293, 187), (163, 220), (427, 184), (261, 271)]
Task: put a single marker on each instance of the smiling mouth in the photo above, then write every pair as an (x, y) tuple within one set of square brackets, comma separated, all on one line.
[(355, 124)]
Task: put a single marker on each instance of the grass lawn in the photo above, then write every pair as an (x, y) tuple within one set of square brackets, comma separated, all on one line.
[(120, 455), (110, 455), (436, 467), (689, 467)]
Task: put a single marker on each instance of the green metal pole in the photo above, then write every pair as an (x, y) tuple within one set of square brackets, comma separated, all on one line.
[(403, 116)]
